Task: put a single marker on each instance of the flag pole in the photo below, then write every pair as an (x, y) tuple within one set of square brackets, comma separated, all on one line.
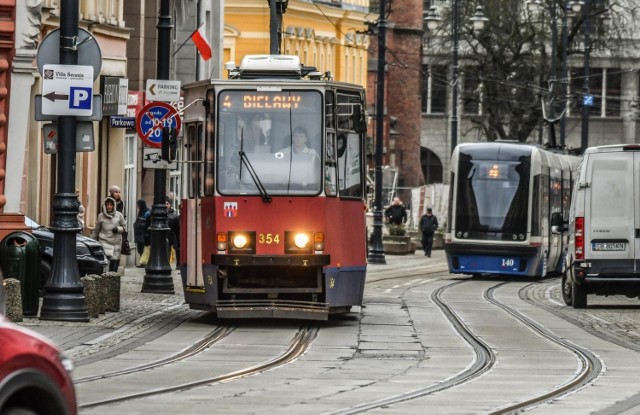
[(186, 40)]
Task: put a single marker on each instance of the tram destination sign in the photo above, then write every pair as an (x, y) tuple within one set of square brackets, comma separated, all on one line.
[(268, 100), (152, 118)]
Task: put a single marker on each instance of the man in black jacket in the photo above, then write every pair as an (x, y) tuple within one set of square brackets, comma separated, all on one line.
[(396, 214), (428, 225)]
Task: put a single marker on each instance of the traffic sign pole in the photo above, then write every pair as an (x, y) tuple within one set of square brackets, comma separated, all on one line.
[(157, 278), (64, 296)]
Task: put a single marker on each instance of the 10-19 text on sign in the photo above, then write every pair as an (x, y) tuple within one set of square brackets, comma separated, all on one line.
[(152, 118)]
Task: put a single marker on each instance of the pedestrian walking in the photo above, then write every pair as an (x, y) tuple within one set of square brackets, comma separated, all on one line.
[(173, 220), (428, 225), (141, 232), (110, 225), (81, 211), (396, 214), (116, 194)]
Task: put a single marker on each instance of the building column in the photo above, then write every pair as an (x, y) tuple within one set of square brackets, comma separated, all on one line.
[(22, 79)]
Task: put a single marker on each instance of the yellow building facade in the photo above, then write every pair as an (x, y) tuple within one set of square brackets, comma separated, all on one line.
[(330, 37)]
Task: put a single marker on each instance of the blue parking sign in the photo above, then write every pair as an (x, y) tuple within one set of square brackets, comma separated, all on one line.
[(80, 98)]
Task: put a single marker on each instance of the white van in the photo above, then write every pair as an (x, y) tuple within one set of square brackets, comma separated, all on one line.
[(603, 256)]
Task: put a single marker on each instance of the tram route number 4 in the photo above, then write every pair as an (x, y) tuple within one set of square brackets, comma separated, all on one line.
[(152, 118)]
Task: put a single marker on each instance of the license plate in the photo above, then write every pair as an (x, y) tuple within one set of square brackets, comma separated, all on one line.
[(608, 246)]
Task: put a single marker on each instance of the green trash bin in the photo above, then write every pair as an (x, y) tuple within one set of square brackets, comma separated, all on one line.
[(20, 259)]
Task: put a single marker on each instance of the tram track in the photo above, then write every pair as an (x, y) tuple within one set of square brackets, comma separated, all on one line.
[(484, 359), (296, 348), (201, 345), (590, 365)]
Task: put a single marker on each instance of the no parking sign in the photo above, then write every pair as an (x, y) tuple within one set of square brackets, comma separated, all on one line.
[(152, 118)]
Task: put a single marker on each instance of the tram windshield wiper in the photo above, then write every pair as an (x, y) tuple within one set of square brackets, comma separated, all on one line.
[(254, 176)]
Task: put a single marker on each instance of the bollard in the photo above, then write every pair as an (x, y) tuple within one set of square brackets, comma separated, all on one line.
[(112, 298), (101, 292), (91, 297), (13, 299)]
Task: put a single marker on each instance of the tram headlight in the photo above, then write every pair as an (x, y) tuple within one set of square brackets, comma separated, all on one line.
[(301, 240), (242, 242), (298, 242), (239, 241)]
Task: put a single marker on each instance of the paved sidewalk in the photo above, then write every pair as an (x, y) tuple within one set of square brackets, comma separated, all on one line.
[(141, 315), (144, 316)]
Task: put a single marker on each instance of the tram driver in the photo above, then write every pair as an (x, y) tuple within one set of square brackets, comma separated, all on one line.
[(299, 143)]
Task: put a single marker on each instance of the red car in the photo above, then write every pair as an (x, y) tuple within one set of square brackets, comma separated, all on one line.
[(34, 374)]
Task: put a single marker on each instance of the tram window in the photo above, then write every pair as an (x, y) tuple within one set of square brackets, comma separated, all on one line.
[(349, 165), (329, 111), (209, 152), (330, 176), (492, 197), (192, 148), (262, 125)]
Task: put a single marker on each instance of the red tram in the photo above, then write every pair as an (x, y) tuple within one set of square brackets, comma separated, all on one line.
[(273, 218)]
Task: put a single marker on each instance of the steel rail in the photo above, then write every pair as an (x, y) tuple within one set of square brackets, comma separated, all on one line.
[(590, 365), (298, 345), (198, 347), (484, 359)]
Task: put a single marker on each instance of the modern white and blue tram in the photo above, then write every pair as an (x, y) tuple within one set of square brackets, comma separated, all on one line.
[(501, 199)]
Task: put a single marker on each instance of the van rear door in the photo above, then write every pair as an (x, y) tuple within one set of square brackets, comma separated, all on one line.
[(610, 218)]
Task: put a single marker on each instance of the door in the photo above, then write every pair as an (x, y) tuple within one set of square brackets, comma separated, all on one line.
[(130, 190), (610, 218)]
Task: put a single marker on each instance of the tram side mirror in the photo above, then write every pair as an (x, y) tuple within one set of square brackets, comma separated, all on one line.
[(360, 122), (558, 224), (169, 143)]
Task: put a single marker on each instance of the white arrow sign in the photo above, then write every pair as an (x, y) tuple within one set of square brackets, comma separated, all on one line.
[(67, 90), (163, 90)]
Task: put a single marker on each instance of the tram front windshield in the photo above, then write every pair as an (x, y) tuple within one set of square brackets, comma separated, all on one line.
[(492, 198), (280, 135)]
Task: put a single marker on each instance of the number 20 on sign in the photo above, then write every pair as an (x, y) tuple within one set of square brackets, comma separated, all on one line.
[(152, 118)]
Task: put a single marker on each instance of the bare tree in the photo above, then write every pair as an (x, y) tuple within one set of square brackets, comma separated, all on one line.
[(512, 57)]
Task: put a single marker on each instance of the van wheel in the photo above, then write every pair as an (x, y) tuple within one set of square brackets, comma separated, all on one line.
[(566, 288), (579, 295)]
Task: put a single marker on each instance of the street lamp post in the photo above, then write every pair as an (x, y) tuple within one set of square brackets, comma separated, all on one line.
[(276, 9), (584, 142), (455, 13), (376, 249), (533, 6), (565, 71), (158, 278), (433, 19), (64, 298)]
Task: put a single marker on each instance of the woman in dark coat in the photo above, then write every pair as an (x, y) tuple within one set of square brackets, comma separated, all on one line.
[(140, 228)]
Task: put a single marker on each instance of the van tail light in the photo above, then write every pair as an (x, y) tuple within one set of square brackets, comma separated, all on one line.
[(579, 239)]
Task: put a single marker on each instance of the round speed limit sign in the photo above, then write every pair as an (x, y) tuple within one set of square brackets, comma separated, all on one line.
[(152, 118)]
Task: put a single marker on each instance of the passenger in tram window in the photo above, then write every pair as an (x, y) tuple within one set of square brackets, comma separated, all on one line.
[(299, 143), (250, 132)]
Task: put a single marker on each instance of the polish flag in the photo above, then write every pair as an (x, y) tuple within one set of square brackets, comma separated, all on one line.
[(199, 38)]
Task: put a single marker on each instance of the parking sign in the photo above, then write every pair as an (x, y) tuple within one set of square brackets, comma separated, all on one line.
[(67, 90)]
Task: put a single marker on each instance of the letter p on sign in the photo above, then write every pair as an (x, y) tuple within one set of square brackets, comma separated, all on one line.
[(80, 98)]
